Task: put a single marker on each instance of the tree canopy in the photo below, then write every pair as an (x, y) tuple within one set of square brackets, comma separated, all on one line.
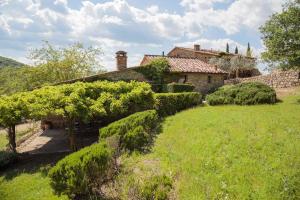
[(281, 36), (51, 65), (79, 101)]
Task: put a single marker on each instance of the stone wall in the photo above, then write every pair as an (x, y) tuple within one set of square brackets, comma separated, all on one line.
[(199, 80), (277, 79)]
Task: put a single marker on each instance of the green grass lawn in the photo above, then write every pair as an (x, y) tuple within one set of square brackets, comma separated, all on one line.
[(29, 181), (222, 152), (232, 152)]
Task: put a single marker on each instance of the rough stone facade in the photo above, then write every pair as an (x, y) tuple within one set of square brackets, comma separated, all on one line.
[(277, 79), (204, 83)]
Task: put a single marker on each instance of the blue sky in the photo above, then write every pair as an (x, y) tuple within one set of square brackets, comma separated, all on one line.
[(136, 26)]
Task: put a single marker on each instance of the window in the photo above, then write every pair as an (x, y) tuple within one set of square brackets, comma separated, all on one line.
[(209, 79)]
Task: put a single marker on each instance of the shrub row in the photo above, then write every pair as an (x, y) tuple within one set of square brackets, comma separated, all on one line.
[(135, 132), (178, 87), (7, 158), (80, 172), (170, 103), (243, 94)]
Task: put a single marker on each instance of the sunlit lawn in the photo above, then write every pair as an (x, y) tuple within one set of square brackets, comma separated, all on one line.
[(233, 152)]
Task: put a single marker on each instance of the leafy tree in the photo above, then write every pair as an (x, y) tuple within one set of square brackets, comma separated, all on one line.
[(227, 48), (240, 62), (236, 51), (52, 65), (60, 64), (249, 51), (13, 110), (281, 36), (222, 63)]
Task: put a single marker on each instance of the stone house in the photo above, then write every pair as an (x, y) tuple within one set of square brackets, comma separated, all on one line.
[(203, 76), (205, 55)]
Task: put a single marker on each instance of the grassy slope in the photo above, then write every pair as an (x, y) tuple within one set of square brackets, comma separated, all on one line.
[(233, 152), (28, 180)]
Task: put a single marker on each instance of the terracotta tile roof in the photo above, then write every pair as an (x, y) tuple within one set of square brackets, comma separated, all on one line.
[(179, 64)]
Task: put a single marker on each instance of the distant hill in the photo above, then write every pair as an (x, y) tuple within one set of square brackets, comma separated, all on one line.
[(4, 62)]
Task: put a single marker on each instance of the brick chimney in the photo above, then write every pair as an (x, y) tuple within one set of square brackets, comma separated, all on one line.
[(197, 47), (121, 57)]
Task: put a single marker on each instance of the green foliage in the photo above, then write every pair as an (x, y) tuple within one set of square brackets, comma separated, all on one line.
[(103, 100), (281, 36), (52, 65), (135, 132), (4, 62), (243, 94), (156, 187), (81, 172), (179, 87), (7, 158), (155, 71), (170, 103)]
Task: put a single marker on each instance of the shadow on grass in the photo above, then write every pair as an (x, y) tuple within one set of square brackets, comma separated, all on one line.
[(31, 163)]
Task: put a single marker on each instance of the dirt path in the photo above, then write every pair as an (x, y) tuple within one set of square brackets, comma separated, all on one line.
[(49, 141)]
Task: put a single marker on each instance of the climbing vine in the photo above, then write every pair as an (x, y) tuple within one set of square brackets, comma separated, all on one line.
[(155, 70)]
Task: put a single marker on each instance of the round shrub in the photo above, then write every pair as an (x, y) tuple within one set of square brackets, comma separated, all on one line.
[(81, 172), (243, 94), (136, 131)]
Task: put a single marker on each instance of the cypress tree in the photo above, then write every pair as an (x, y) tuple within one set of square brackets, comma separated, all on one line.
[(236, 51), (227, 48), (248, 53)]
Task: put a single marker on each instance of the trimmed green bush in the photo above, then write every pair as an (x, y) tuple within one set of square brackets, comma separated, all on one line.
[(179, 87), (243, 94), (80, 172), (7, 158), (170, 103), (135, 132)]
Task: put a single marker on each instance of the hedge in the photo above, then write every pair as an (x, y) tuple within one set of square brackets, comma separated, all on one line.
[(179, 87), (7, 158), (170, 103), (135, 132), (78, 173), (243, 94)]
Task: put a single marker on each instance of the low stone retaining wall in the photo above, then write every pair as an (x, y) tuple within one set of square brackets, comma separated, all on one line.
[(278, 79)]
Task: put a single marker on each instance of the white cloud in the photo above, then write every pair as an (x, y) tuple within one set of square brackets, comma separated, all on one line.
[(248, 13), (116, 24)]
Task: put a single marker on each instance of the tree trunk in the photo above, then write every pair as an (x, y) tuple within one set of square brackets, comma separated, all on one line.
[(237, 73), (72, 137), (12, 138)]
